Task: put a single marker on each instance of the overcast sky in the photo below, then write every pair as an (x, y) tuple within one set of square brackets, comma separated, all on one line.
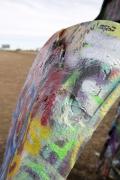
[(29, 23)]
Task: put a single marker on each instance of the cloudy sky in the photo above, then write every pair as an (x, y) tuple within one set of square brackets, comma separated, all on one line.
[(29, 23)]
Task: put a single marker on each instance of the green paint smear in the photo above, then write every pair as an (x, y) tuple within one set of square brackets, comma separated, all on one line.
[(61, 151), (86, 45), (106, 67), (70, 82), (39, 169), (97, 99), (22, 176)]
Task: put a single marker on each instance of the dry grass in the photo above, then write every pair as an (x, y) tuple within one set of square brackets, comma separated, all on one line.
[(14, 67)]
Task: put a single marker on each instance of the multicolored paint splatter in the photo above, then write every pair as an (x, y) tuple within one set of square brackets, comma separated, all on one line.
[(72, 84), (109, 160)]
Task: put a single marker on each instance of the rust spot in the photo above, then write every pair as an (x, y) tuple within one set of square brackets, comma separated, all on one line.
[(61, 33)]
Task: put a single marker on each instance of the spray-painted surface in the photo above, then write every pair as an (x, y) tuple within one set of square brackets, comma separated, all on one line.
[(109, 160), (70, 87)]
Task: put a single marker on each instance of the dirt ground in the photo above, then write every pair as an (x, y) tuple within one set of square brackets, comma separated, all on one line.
[(14, 67)]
